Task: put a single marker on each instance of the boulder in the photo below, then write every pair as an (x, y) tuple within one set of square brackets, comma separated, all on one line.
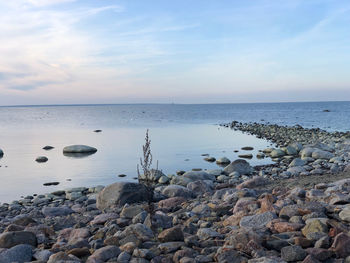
[(57, 211), (293, 253), (11, 239), (104, 254), (177, 191), (223, 160), (277, 153), (319, 154), (171, 234), (258, 220), (19, 253), (254, 182), (79, 149), (198, 175), (1, 153), (241, 166), (120, 193), (297, 162)]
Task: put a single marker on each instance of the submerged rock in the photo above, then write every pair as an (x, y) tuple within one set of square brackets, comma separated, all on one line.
[(79, 149), (41, 159)]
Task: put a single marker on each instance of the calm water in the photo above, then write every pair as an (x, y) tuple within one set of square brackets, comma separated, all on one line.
[(179, 134)]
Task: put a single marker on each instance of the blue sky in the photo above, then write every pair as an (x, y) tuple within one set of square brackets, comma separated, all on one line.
[(200, 51)]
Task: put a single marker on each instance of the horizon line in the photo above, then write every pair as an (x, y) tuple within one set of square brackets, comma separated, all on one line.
[(155, 103)]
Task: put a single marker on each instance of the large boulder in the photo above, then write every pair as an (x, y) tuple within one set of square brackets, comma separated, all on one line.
[(79, 149), (198, 175), (11, 239), (19, 253), (176, 191), (120, 193), (320, 154), (241, 166)]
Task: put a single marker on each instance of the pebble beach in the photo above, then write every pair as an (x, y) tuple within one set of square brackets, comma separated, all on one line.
[(296, 209)]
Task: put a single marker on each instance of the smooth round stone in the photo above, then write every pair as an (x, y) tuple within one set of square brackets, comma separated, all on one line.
[(223, 160), (41, 159), (79, 149)]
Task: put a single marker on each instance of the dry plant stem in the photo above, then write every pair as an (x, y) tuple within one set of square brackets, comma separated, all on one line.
[(147, 181)]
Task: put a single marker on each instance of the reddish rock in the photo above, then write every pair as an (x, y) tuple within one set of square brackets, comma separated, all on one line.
[(303, 242), (266, 204), (171, 234), (171, 202), (310, 259), (341, 245), (245, 204), (281, 227)]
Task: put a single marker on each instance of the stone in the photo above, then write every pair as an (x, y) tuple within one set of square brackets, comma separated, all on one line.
[(296, 170), (42, 255), (19, 253), (79, 149), (297, 162), (120, 193), (131, 211), (56, 211), (241, 166), (171, 202), (200, 187), (170, 247), (11, 239), (62, 257), (171, 234), (48, 147), (277, 153), (320, 154), (198, 175), (345, 214), (254, 182), (141, 231), (293, 253), (1, 153), (314, 226), (281, 227), (266, 260), (104, 254), (206, 233), (41, 159), (257, 221), (176, 191), (223, 160), (341, 245), (228, 255), (320, 253)]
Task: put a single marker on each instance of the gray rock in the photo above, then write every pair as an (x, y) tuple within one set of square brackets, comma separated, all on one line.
[(103, 254), (1, 153), (241, 166), (296, 170), (57, 211), (11, 239), (141, 231), (345, 214), (277, 153), (79, 149), (121, 193), (319, 154), (297, 162), (200, 187), (223, 160), (176, 190), (293, 253), (20, 254), (258, 220), (42, 255), (41, 159), (198, 175), (206, 233)]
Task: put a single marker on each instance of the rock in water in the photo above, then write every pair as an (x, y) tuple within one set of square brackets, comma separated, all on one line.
[(1, 153), (121, 193), (79, 149), (48, 147), (241, 166), (41, 159)]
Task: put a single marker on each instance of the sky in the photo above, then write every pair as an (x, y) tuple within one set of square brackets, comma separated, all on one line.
[(183, 51)]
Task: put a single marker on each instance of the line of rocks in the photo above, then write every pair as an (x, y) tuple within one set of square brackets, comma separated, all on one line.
[(300, 151)]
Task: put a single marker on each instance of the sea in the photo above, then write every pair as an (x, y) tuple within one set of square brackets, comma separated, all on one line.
[(180, 134)]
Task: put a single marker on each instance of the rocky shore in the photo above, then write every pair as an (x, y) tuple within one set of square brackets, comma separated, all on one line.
[(295, 210)]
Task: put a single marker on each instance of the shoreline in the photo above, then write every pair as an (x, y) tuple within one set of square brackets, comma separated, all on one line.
[(297, 209)]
